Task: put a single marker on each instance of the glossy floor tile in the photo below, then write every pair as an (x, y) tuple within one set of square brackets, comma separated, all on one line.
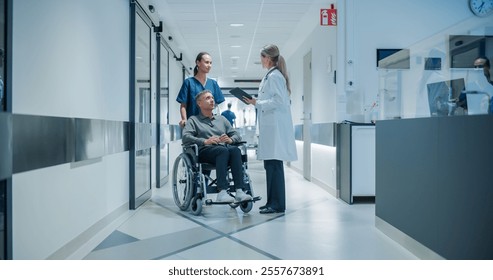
[(315, 226)]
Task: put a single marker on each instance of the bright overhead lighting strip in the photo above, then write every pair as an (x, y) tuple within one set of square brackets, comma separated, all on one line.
[(254, 34), (217, 36)]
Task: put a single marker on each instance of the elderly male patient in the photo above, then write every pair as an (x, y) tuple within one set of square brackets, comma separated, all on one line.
[(214, 136)]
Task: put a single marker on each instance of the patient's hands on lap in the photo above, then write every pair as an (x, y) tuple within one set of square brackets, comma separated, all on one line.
[(214, 140)]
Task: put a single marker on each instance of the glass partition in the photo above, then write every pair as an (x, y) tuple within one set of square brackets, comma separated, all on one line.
[(449, 74)]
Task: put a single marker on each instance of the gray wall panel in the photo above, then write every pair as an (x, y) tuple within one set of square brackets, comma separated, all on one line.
[(41, 142), (166, 134), (5, 146), (433, 182), (89, 139), (116, 137), (321, 133), (298, 132), (176, 132), (407, 173), (343, 155), (144, 136)]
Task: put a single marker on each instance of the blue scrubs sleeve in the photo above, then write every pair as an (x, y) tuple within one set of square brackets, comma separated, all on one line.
[(183, 94)]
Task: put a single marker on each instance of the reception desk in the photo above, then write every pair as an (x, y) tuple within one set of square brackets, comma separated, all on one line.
[(434, 185)]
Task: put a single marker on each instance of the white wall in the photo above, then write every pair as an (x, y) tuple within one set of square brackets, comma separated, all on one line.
[(70, 59), (52, 206), (321, 41), (74, 52)]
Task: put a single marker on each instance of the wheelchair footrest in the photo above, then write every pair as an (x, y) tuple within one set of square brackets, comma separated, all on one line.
[(255, 198), (211, 202)]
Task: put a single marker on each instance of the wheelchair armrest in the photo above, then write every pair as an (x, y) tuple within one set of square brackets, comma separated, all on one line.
[(195, 147), (241, 143)]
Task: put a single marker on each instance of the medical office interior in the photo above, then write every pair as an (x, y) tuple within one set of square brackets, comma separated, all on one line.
[(392, 119)]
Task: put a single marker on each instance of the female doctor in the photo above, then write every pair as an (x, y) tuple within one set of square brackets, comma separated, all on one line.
[(276, 135)]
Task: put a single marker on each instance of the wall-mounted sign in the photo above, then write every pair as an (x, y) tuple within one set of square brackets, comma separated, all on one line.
[(328, 17)]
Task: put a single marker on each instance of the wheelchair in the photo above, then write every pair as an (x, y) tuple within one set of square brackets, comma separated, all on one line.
[(192, 182)]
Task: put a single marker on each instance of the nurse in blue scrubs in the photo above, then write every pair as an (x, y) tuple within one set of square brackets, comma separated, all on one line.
[(193, 85)]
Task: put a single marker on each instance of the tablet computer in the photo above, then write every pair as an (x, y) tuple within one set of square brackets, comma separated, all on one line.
[(239, 93)]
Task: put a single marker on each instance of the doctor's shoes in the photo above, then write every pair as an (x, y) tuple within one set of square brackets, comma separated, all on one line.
[(223, 196), (242, 196)]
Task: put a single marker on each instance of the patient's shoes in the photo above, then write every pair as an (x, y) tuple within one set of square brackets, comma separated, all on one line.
[(223, 196), (242, 196)]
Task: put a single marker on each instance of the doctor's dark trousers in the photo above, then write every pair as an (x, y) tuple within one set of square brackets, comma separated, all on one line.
[(276, 190)]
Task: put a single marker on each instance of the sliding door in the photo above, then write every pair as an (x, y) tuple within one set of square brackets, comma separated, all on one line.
[(141, 131)]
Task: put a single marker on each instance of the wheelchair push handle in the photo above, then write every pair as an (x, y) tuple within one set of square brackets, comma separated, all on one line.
[(194, 147)]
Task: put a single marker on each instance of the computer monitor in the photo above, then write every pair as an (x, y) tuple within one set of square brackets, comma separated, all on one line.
[(393, 59), (477, 103), (464, 49), (443, 96), (457, 86)]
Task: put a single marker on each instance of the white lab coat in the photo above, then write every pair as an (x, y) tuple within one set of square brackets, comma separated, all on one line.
[(276, 132)]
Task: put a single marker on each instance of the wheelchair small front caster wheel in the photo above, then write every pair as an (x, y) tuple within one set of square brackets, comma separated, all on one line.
[(246, 206), (196, 206)]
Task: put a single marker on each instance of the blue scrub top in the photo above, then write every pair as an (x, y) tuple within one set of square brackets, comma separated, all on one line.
[(228, 114), (191, 87)]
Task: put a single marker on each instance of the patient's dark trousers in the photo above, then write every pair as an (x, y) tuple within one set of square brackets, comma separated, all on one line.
[(221, 156)]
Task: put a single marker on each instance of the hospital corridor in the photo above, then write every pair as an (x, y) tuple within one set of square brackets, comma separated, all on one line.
[(315, 226), (380, 113)]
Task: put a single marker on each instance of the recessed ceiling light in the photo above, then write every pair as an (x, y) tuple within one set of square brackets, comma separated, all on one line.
[(235, 57), (236, 24), (236, 46)]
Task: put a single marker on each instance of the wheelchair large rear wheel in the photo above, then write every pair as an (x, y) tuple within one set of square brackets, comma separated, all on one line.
[(182, 181)]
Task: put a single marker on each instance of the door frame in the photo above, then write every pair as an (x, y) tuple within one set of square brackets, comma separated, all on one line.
[(140, 133), (307, 115), (163, 129)]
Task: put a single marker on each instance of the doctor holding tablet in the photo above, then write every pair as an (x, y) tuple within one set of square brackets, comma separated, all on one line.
[(276, 134)]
